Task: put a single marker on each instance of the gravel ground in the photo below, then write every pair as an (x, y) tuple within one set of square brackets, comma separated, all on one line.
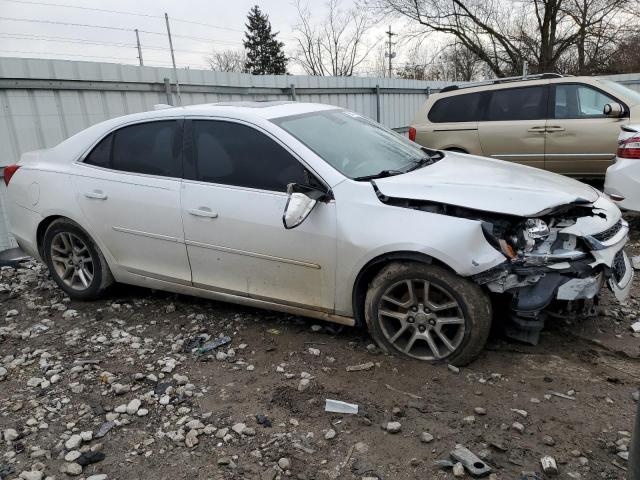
[(117, 390)]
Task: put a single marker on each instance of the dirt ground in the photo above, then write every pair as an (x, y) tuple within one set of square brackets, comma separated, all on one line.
[(69, 368)]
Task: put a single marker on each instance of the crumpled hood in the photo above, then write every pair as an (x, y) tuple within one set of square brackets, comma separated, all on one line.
[(489, 185)]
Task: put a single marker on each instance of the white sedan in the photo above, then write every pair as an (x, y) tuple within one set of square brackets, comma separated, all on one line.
[(622, 182), (317, 211)]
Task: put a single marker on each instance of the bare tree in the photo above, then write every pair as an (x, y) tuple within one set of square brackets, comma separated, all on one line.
[(598, 30), (228, 61), (335, 46), (626, 57), (503, 34)]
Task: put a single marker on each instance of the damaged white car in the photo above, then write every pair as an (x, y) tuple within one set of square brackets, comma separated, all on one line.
[(317, 211)]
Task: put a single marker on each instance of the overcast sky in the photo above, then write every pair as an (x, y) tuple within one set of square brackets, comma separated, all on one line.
[(33, 39)]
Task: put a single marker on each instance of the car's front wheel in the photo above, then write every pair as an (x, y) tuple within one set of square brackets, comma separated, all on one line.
[(428, 313), (75, 261)]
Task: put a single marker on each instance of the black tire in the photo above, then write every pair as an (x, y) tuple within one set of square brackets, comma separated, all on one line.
[(473, 306), (101, 275)]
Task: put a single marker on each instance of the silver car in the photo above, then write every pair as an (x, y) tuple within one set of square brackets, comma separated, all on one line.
[(317, 211)]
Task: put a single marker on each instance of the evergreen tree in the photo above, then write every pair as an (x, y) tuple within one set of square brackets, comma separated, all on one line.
[(265, 54)]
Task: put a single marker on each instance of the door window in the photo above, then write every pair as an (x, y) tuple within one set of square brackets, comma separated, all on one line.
[(580, 101), (235, 154), (458, 108), (100, 156), (152, 148), (526, 103)]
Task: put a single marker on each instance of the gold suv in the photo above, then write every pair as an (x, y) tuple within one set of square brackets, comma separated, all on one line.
[(564, 124)]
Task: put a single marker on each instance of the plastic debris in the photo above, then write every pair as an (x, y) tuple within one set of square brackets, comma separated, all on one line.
[(562, 395), (361, 367), (636, 326), (263, 420), (218, 342), (104, 429), (338, 406), (530, 476), (470, 461), (549, 466)]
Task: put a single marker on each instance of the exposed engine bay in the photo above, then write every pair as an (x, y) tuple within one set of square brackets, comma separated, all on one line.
[(556, 262)]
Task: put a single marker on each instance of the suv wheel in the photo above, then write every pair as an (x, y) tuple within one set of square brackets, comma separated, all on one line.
[(75, 262), (428, 313)]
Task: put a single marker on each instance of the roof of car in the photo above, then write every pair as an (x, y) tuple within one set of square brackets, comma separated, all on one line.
[(511, 82), (263, 109)]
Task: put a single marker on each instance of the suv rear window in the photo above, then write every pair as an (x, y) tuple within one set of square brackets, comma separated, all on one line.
[(457, 108), (525, 103)]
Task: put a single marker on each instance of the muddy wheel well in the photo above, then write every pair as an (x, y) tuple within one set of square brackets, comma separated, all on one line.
[(42, 228), (371, 269)]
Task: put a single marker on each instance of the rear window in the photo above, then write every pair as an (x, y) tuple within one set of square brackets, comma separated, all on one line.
[(525, 103), (458, 108)]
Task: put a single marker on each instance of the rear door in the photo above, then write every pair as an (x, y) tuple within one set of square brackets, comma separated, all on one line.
[(513, 125), (128, 188), (452, 124), (581, 140)]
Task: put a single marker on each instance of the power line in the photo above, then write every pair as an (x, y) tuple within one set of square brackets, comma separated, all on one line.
[(132, 61), (26, 36), (48, 38), (106, 27), (64, 54), (120, 12)]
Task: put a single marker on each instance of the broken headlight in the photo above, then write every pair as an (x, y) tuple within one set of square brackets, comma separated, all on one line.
[(533, 232)]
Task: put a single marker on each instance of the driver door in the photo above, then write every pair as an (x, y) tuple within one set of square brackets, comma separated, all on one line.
[(233, 199)]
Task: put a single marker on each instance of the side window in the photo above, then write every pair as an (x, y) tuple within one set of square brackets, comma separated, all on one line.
[(527, 103), (235, 154), (100, 156), (580, 101), (458, 108), (153, 148)]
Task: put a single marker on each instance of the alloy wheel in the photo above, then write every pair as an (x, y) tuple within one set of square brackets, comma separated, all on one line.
[(421, 319), (72, 260)]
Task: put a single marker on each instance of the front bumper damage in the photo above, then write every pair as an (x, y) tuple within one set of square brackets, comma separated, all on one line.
[(564, 274)]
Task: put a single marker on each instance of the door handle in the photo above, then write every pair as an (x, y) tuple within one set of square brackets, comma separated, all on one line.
[(203, 212), (555, 128), (539, 129), (96, 194)]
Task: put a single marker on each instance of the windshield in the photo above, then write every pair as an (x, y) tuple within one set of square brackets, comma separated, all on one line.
[(630, 95), (353, 145)]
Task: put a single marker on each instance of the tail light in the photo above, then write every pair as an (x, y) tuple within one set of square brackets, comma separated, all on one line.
[(629, 148), (412, 134), (9, 170)]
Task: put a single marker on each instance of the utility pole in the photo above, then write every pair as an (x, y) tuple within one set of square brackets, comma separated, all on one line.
[(173, 59), (390, 54), (525, 69), (139, 49)]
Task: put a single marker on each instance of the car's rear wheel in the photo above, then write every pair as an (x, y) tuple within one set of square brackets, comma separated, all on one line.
[(75, 261), (428, 313)]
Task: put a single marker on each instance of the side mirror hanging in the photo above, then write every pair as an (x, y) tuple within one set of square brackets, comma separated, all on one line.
[(302, 199)]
